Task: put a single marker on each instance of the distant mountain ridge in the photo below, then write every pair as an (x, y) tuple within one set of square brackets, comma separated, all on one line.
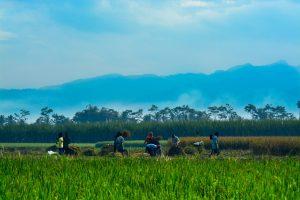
[(277, 83)]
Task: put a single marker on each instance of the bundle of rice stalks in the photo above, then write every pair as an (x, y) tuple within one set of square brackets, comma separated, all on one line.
[(107, 149), (90, 152), (175, 151), (189, 150), (73, 150)]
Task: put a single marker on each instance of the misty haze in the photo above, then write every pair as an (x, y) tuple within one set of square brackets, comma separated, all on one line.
[(149, 99)]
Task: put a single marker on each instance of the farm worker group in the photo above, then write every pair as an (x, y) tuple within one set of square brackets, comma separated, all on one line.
[(153, 147)]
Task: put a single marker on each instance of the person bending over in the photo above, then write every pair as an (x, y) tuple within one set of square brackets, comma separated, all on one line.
[(119, 143)]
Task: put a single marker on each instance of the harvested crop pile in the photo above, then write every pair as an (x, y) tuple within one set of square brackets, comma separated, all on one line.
[(189, 150), (107, 150), (175, 151), (90, 152), (73, 150)]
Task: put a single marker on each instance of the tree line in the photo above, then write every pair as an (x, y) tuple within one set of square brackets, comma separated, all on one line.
[(180, 113), (104, 131)]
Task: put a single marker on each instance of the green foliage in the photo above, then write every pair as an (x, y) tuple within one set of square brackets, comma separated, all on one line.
[(269, 112), (132, 178), (45, 116), (94, 132)]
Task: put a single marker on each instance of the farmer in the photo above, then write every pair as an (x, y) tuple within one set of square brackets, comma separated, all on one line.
[(150, 146), (60, 143), (119, 133), (149, 139), (175, 140), (214, 141), (66, 142), (153, 147), (118, 144)]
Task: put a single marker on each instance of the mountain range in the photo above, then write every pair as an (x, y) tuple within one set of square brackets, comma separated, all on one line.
[(277, 84)]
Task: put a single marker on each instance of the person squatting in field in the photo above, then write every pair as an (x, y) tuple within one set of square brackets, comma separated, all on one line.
[(60, 143), (66, 142), (152, 145), (119, 142), (214, 141), (175, 140)]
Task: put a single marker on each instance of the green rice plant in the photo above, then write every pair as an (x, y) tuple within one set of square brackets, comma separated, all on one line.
[(26, 177)]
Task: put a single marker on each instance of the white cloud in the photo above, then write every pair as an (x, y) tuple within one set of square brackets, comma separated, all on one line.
[(4, 35), (171, 13), (194, 3)]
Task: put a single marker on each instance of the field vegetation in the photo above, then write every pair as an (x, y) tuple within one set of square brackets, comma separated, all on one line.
[(43, 177), (276, 146), (97, 124), (257, 145), (101, 131)]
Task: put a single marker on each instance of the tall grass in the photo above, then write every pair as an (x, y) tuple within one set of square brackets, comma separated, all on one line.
[(258, 145), (107, 178), (93, 132)]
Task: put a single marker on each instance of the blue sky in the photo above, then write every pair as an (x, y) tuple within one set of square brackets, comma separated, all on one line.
[(47, 42)]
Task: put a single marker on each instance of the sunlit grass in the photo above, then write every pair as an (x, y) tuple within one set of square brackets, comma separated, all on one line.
[(146, 178)]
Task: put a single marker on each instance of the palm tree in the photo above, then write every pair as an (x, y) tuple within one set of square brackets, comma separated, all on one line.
[(298, 105)]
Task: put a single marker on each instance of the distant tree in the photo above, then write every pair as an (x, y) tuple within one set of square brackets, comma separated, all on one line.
[(10, 119), (2, 120), (94, 114), (186, 112), (269, 112), (152, 113), (182, 112), (231, 114), (223, 112), (22, 116), (298, 106), (138, 115), (199, 115), (147, 118), (126, 115), (131, 116), (60, 119), (108, 114), (87, 115), (213, 111), (45, 116), (252, 110), (164, 114)]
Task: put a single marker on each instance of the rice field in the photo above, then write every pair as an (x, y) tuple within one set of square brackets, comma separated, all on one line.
[(45, 177), (267, 145)]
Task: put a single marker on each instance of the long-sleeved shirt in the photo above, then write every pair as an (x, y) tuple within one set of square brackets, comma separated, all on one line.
[(215, 142), (119, 142), (60, 142)]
